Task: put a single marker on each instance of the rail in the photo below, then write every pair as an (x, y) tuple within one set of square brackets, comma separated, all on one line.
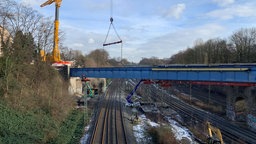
[(109, 126), (229, 131)]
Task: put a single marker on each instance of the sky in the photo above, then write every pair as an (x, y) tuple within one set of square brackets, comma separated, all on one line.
[(148, 28)]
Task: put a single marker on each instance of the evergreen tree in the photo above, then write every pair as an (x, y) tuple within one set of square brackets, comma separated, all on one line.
[(23, 48)]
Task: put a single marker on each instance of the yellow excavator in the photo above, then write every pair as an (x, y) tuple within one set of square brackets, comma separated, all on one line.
[(215, 136), (55, 57)]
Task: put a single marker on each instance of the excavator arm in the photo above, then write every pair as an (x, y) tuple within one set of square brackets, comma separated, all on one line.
[(213, 131), (128, 98)]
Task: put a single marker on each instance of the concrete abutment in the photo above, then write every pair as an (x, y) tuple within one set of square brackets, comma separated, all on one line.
[(241, 104)]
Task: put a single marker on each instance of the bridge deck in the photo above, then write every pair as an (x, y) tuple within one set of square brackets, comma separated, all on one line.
[(242, 73)]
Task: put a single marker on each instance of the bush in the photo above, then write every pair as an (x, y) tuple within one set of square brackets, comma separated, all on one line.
[(162, 135), (34, 97), (34, 103), (38, 88)]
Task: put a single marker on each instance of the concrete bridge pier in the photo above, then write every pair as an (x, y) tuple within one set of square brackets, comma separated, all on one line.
[(230, 111)]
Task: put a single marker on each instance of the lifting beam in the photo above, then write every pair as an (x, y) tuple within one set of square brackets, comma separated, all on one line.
[(117, 42)]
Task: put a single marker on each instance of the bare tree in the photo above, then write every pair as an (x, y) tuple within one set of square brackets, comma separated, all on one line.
[(44, 35), (151, 61), (69, 54), (217, 51), (100, 57), (244, 41), (212, 51), (18, 17)]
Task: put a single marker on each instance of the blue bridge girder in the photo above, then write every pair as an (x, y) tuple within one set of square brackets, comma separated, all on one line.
[(235, 73)]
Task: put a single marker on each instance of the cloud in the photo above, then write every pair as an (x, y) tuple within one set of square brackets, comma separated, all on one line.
[(81, 39), (147, 31), (166, 45), (33, 2), (147, 37), (96, 6), (224, 2), (246, 10), (91, 41), (78, 45), (175, 11)]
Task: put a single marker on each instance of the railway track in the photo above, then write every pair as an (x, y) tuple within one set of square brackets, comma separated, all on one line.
[(230, 131), (109, 127)]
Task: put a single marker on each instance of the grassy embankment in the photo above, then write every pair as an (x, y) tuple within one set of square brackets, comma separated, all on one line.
[(18, 127), (35, 107)]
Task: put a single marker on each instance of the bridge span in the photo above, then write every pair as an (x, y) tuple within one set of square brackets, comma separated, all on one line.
[(239, 82), (223, 73)]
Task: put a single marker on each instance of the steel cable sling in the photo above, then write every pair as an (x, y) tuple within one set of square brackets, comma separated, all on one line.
[(119, 38), (111, 43)]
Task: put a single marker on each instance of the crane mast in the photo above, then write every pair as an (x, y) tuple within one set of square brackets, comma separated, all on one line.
[(56, 52)]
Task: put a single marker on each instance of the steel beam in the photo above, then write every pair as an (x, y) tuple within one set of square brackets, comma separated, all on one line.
[(245, 73)]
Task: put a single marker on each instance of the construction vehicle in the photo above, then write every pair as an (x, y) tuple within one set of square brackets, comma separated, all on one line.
[(55, 56), (89, 91), (215, 136), (129, 97), (135, 119)]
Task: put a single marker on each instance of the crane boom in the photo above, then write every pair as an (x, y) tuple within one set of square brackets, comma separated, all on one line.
[(47, 3), (56, 51)]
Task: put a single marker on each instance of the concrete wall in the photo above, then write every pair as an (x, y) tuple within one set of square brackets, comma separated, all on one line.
[(75, 87), (99, 83), (249, 96)]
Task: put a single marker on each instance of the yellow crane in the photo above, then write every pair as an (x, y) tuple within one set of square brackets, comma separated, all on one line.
[(56, 52), (215, 136)]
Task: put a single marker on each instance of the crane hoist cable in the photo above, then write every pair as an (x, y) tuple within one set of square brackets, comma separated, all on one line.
[(111, 25)]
